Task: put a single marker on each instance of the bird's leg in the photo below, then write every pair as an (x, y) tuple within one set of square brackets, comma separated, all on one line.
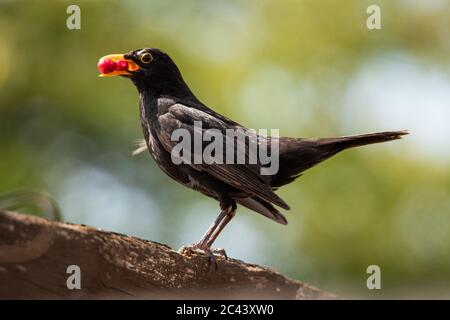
[(202, 244), (230, 215), (204, 241)]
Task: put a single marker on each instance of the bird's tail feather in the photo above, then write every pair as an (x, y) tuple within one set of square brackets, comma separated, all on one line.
[(341, 143), (300, 154)]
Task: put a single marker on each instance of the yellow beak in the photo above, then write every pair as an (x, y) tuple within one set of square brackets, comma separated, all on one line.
[(116, 65)]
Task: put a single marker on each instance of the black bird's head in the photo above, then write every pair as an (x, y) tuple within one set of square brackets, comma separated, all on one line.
[(150, 70)]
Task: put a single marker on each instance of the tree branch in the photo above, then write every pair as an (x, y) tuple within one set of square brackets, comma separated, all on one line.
[(35, 254)]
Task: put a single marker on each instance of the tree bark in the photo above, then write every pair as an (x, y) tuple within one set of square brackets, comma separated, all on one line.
[(35, 255)]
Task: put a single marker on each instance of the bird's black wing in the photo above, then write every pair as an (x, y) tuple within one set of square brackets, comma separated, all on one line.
[(244, 177)]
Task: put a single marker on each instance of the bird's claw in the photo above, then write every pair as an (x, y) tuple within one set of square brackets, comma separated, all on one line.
[(221, 252), (210, 253), (186, 250)]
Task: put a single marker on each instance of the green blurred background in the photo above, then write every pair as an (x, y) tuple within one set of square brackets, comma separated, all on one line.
[(310, 68)]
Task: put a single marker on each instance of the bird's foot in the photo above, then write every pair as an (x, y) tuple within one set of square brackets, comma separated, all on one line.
[(204, 249), (220, 252)]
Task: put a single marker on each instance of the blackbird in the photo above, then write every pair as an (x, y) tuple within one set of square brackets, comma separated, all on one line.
[(167, 104)]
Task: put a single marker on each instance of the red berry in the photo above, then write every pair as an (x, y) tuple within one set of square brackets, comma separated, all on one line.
[(106, 66), (122, 65)]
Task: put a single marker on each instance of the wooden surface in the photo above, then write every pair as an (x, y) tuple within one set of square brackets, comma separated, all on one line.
[(35, 254)]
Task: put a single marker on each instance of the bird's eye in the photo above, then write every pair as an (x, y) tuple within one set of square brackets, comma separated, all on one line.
[(146, 57)]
